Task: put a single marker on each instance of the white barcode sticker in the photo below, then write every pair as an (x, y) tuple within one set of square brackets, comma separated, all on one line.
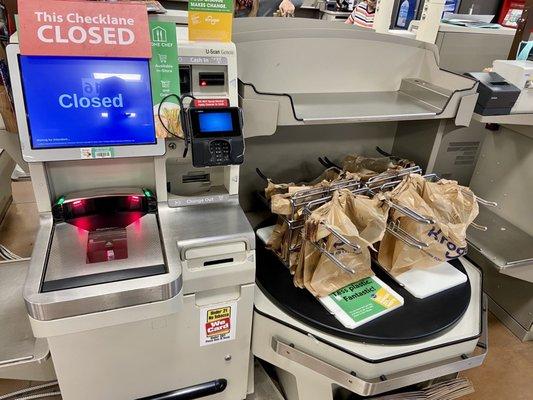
[(97, 152), (102, 154)]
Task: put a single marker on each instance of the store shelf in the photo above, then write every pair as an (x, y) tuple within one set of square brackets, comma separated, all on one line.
[(504, 245), (415, 100), (310, 87), (360, 107)]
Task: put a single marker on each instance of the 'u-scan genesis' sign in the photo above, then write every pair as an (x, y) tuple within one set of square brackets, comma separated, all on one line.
[(87, 102), (73, 28)]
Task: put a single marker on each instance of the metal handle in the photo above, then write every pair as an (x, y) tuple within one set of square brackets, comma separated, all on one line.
[(341, 237), (486, 203), (334, 259), (411, 213), (349, 184), (481, 201), (403, 172), (314, 203), (396, 231), (479, 227), (383, 384), (392, 184)]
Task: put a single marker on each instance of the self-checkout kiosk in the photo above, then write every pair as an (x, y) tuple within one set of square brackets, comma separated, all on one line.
[(141, 280)]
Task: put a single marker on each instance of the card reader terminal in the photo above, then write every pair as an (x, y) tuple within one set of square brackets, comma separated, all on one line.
[(216, 136)]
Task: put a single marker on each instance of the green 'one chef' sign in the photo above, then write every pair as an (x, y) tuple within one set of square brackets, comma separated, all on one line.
[(164, 72)]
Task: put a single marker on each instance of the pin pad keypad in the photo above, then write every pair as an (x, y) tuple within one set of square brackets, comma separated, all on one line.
[(220, 151)]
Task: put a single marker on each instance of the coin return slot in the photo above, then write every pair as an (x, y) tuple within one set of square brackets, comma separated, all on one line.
[(216, 262)]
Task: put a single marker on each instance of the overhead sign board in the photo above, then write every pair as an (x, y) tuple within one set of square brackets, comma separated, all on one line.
[(73, 28)]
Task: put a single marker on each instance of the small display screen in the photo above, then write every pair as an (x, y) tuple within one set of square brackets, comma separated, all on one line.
[(215, 122), (87, 102)]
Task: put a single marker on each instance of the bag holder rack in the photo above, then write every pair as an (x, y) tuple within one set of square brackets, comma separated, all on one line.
[(304, 202)]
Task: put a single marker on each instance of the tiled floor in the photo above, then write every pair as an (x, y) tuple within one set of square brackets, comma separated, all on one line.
[(506, 374), (508, 369)]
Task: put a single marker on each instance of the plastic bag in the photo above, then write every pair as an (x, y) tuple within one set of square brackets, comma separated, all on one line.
[(283, 240), (290, 248), (370, 216), (280, 204), (276, 238), (368, 168), (307, 261), (313, 232), (328, 176), (451, 206), (279, 196), (326, 276), (276, 188)]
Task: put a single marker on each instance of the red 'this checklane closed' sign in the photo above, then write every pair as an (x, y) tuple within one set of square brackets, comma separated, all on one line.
[(61, 28)]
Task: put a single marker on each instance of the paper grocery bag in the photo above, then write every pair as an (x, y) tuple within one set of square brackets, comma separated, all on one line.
[(451, 206)]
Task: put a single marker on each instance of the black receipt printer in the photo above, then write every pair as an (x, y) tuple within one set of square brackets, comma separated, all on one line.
[(496, 95)]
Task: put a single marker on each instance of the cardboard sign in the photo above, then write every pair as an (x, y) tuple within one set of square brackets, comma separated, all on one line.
[(210, 20), (218, 324), (72, 28)]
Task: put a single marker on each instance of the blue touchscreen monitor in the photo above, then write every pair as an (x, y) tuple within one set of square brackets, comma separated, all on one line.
[(87, 102)]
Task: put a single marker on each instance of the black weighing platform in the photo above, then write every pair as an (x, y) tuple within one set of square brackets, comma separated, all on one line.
[(417, 320)]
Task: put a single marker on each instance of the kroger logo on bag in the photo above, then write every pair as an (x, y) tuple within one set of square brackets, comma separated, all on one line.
[(450, 249)]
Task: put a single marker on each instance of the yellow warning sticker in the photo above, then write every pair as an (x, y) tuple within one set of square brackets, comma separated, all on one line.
[(218, 324)]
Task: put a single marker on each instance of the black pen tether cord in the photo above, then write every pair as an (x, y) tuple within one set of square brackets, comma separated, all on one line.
[(183, 119)]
